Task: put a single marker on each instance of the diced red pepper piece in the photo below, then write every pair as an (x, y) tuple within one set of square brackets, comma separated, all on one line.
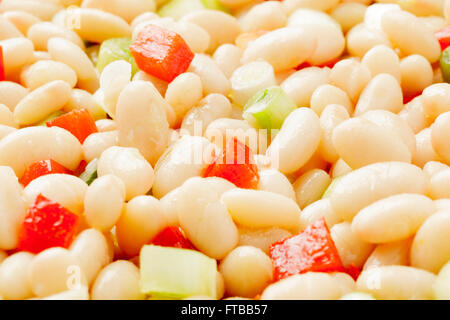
[(443, 37), (236, 165), (329, 64), (42, 168), (81, 168), (47, 225), (313, 250), (353, 271), (172, 237), (161, 53), (79, 122), (2, 66)]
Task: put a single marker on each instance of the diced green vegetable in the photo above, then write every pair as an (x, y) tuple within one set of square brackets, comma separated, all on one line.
[(116, 49), (54, 115), (327, 192), (90, 173), (176, 273), (445, 64), (178, 8), (268, 108)]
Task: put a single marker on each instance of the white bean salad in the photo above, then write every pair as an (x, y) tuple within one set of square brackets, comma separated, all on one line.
[(225, 149)]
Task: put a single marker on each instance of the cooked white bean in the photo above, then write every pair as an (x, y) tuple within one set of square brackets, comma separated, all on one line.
[(97, 26), (46, 71), (350, 76), (65, 51), (13, 209), (328, 34), (297, 140), (41, 32), (210, 108), (262, 238), (268, 15), (128, 10), (240, 263), (332, 116), (440, 135), (250, 78), (366, 185), (301, 85), (310, 186), (417, 74), (439, 185), (274, 181), (349, 14), (21, 19), (104, 201), (382, 92), (339, 169), (96, 143), (80, 293), (431, 246), (48, 143), (352, 250), (187, 158), (410, 34), (42, 102), (55, 270), (14, 284), (325, 5), (114, 78), (205, 219), (396, 283), (130, 166), (183, 93), (67, 190), (345, 282), (360, 39), (360, 142), (442, 284), (118, 281), (262, 209), (91, 249), (435, 100), (228, 58), (327, 94), (433, 167), (42, 9), (17, 52), (413, 113), (387, 254), (424, 149), (283, 48), (393, 218), (7, 117), (222, 28), (8, 30), (11, 94), (141, 220), (316, 210), (81, 99), (141, 120), (213, 79), (105, 125), (382, 59), (309, 286)]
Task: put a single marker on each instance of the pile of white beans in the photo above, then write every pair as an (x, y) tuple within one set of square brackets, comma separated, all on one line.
[(388, 208)]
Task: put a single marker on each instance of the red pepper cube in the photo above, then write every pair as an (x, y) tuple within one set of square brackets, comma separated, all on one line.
[(2, 66), (236, 165), (79, 122), (312, 250), (47, 225), (42, 168), (172, 237), (161, 53), (443, 37)]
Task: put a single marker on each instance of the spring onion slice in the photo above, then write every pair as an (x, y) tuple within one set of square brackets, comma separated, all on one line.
[(116, 49), (90, 173)]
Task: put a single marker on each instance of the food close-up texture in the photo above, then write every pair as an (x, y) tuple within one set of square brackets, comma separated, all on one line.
[(225, 149)]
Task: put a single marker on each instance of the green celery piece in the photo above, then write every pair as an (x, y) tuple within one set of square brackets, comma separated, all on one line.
[(90, 173), (54, 115), (445, 64), (268, 108), (178, 8), (116, 49), (330, 188), (176, 273)]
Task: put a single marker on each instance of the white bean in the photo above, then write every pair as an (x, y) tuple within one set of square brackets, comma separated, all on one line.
[(41, 32), (274, 181), (213, 79), (382, 59), (387, 254), (316, 210), (14, 284), (46, 71), (96, 143), (11, 94)]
